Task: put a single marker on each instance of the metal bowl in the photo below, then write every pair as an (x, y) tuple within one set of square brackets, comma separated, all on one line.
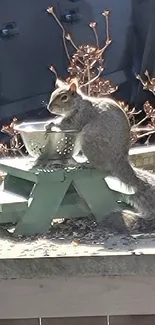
[(54, 145)]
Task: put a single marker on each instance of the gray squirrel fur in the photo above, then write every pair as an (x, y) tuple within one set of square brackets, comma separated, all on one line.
[(104, 137)]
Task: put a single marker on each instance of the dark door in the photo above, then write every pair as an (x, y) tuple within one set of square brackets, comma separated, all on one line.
[(36, 43), (26, 55)]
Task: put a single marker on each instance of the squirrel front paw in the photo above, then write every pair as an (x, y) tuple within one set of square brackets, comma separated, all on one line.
[(80, 158), (48, 127), (51, 127)]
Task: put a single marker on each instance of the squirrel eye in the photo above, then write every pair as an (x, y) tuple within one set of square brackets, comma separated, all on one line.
[(64, 98)]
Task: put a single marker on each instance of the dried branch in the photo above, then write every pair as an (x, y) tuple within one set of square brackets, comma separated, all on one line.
[(87, 62), (15, 146), (93, 26), (149, 83), (106, 15), (51, 11)]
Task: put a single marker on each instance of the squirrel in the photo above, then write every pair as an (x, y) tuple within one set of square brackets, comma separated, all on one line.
[(104, 138)]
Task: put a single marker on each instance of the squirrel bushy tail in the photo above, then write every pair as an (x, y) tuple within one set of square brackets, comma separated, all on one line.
[(143, 183)]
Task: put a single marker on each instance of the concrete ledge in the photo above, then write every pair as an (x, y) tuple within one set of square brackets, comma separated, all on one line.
[(84, 266), (119, 255), (89, 281), (143, 157)]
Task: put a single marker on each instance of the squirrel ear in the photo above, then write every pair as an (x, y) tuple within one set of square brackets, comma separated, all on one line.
[(60, 83), (74, 86)]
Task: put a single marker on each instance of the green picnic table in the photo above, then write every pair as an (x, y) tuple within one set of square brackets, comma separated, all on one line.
[(32, 194)]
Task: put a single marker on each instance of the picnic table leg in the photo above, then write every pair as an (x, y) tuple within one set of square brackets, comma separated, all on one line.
[(46, 199), (100, 199), (18, 185)]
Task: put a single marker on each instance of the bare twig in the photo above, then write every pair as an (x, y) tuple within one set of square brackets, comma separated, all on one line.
[(141, 121), (51, 11), (106, 15), (69, 38), (16, 146), (149, 84), (93, 26)]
